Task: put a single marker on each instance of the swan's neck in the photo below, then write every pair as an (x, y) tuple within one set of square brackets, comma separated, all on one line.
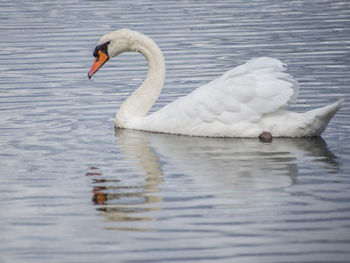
[(141, 100)]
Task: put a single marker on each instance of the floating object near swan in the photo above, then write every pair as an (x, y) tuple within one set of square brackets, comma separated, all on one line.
[(246, 101), (265, 137)]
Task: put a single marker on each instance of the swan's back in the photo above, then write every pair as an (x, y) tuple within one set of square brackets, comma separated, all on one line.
[(231, 105)]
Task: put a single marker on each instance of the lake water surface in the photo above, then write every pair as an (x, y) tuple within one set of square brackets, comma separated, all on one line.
[(74, 189)]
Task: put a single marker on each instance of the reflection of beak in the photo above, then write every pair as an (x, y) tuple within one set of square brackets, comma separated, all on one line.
[(99, 61)]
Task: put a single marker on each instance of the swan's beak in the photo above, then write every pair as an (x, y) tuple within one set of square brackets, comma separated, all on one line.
[(99, 61)]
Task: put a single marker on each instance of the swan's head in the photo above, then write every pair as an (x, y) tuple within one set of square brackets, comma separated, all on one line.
[(111, 45)]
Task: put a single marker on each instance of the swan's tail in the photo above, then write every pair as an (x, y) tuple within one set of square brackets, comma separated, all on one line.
[(319, 118)]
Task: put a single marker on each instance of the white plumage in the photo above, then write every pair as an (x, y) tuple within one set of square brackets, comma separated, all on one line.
[(243, 102)]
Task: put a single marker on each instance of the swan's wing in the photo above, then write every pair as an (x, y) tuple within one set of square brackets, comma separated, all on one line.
[(242, 95)]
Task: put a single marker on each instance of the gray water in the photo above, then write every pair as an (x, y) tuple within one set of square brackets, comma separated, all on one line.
[(72, 189)]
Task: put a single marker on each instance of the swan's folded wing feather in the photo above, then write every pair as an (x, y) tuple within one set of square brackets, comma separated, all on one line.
[(243, 94)]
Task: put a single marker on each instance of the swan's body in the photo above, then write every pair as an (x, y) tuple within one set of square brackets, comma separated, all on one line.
[(243, 102)]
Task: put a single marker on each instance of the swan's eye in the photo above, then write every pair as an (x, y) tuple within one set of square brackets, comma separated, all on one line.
[(103, 47), (95, 52)]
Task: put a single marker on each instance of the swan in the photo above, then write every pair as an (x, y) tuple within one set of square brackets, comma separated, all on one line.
[(244, 102)]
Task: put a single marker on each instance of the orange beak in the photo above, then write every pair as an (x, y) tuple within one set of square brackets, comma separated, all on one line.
[(99, 61)]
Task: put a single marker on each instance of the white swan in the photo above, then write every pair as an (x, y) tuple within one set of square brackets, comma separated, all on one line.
[(243, 102)]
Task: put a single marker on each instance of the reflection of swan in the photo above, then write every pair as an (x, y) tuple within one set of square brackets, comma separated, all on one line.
[(227, 163), (229, 167), (243, 102), (119, 200)]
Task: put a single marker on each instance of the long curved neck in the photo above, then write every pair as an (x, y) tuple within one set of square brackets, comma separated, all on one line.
[(141, 100)]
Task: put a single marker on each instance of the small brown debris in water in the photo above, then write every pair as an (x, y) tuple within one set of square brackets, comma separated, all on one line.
[(265, 137)]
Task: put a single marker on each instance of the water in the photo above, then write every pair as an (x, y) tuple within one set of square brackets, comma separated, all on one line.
[(75, 190)]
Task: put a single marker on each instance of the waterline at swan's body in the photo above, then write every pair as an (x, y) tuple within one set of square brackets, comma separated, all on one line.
[(243, 102)]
